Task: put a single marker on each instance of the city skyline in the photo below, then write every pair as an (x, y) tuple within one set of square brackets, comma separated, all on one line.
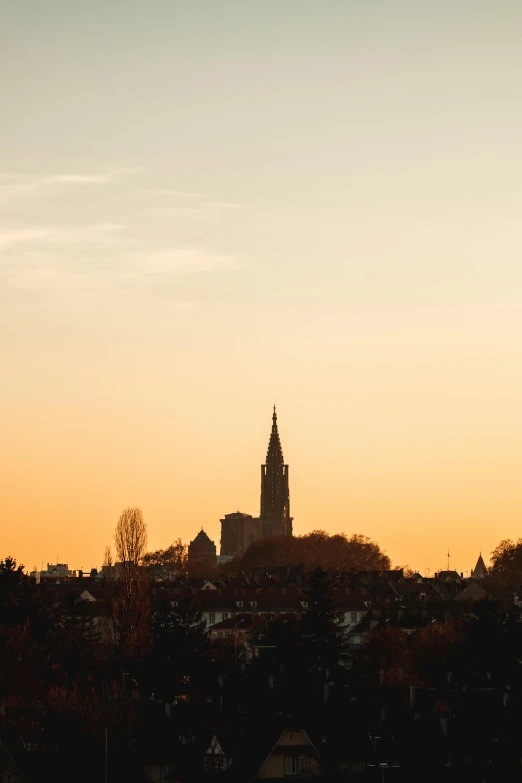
[(234, 541), (208, 207)]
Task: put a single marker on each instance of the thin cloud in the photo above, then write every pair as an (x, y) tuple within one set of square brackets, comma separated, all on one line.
[(20, 185), (200, 208), (227, 205), (179, 262), (125, 171), (82, 179), (172, 210), (47, 271), (17, 236), (197, 202), (170, 192), (95, 234)]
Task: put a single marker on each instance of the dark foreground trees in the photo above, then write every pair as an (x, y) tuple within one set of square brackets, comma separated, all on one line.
[(506, 564), (321, 628), (315, 550), (180, 657)]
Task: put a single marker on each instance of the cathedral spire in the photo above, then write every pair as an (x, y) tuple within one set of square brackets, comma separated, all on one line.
[(274, 453), (275, 494)]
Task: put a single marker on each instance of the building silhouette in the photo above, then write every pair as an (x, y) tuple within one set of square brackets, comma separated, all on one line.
[(480, 570), (239, 530), (201, 552)]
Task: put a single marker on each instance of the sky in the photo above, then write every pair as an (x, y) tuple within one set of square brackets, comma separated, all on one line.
[(208, 207)]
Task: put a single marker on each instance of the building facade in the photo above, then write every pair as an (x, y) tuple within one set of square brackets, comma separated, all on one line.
[(239, 530)]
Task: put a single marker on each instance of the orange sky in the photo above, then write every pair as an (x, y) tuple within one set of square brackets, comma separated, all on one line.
[(215, 206)]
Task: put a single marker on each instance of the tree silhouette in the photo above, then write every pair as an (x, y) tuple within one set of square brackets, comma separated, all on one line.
[(314, 550), (167, 563), (181, 652), (506, 559), (127, 585), (322, 633)]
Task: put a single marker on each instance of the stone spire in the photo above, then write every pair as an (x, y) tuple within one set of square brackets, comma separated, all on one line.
[(275, 493), (480, 569), (274, 455)]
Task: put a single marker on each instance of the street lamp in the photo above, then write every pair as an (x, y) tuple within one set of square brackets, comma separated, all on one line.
[(375, 740), (383, 766)]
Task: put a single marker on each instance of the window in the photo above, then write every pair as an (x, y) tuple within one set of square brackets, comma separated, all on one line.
[(212, 617), (225, 615), (253, 604), (174, 604), (294, 764), (353, 617), (239, 604)]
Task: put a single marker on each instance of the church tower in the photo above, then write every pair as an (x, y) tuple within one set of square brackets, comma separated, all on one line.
[(275, 494)]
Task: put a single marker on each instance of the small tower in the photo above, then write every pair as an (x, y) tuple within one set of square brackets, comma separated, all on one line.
[(480, 570), (275, 493), (201, 553)]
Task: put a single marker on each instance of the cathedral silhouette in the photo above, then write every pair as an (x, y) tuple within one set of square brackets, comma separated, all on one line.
[(239, 530)]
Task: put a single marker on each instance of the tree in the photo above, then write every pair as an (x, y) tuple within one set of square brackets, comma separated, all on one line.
[(316, 550), (130, 537), (506, 559), (181, 647), (322, 632), (437, 649), (167, 563), (127, 584), (388, 649), (10, 571)]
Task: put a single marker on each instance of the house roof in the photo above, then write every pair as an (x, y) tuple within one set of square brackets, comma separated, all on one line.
[(471, 592), (281, 746), (241, 622)]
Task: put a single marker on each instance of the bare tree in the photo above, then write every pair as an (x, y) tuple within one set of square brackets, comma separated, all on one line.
[(129, 584), (130, 537)]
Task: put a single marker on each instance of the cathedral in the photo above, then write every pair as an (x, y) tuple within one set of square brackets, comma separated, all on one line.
[(239, 530)]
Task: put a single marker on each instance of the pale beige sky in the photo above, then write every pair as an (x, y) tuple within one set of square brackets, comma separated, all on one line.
[(208, 207)]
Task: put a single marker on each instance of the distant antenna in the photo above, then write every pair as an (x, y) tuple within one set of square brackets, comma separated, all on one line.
[(448, 560)]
